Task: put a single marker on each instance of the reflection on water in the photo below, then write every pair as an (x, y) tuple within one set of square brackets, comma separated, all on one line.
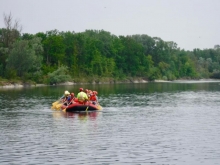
[(154, 123), (77, 115)]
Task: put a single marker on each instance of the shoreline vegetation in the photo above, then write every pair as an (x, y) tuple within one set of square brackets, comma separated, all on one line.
[(20, 84), (97, 57), (17, 84)]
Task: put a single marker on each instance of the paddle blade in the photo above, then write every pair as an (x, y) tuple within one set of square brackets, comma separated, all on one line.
[(99, 107), (58, 106), (54, 106), (55, 103)]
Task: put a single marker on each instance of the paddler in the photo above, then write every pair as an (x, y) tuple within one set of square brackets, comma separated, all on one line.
[(66, 98), (82, 96), (94, 97)]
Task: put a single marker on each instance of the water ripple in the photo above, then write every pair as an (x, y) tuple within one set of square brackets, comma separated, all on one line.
[(180, 127)]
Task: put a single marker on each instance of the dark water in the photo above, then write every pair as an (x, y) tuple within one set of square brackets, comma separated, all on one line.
[(153, 123)]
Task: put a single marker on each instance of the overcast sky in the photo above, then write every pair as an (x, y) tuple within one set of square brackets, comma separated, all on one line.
[(189, 23)]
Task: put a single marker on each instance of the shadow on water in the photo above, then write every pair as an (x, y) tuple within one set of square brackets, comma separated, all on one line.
[(77, 115)]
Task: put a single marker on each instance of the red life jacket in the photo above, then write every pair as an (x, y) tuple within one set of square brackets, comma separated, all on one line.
[(93, 98)]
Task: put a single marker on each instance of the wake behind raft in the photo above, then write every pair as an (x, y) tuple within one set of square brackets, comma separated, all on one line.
[(76, 107)]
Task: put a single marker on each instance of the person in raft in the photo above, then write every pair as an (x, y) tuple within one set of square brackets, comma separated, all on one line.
[(89, 93), (73, 98), (94, 97), (66, 98), (82, 96)]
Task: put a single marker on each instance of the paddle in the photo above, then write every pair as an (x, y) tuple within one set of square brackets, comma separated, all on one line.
[(66, 107), (88, 105), (54, 105), (57, 107), (99, 107), (56, 102)]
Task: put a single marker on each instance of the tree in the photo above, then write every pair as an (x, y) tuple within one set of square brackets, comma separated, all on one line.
[(146, 41), (58, 76), (25, 56), (8, 36), (54, 48), (11, 32), (35, 70)]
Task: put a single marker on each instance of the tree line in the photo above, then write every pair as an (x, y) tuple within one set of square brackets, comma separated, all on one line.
[(55, 56)]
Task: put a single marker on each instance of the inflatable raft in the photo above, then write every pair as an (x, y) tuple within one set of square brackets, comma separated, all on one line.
[(76, 107)]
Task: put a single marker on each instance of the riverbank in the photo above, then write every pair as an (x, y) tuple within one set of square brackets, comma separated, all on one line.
[(8, 85)]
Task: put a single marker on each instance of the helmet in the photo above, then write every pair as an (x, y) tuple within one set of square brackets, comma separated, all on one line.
[(80, 89), (72, 94), (66, 93), (95, 93)]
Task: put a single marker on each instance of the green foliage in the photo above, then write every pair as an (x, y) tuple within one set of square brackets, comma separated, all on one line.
[(54, 49), (11, 74), (21, 57), (25, 57), (35, 44), (48, 69), (215, 74), (94, 55), (154, 73), (1, 70), (58, 76)]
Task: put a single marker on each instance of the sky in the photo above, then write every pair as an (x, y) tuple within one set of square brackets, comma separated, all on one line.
[(189, 23)]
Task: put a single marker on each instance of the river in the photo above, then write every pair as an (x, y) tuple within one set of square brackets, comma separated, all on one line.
[(167, 123)]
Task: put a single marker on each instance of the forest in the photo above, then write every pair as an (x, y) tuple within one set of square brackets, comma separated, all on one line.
[(97, 55)]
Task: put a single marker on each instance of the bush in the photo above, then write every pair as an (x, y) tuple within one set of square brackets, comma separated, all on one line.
[(59, 76)]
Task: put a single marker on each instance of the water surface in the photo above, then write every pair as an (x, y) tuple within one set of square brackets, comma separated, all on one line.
[(152, 123)]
